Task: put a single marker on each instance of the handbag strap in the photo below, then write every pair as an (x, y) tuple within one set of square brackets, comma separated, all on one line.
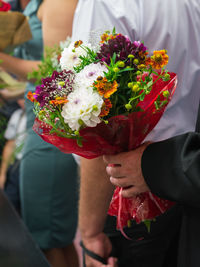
[(92, 255)]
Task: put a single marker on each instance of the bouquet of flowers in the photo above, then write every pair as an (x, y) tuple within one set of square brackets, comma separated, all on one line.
[(50, 62), (4, 6), (14, 28), (105, 100)]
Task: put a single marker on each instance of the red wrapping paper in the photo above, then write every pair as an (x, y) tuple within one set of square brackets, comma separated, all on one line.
[(122, 133)]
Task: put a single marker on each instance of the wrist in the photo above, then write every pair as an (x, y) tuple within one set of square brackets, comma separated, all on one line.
[(89, 234)]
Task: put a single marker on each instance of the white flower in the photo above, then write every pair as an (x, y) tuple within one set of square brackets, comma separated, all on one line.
[(70, 56), (89, 74), (83, 108)]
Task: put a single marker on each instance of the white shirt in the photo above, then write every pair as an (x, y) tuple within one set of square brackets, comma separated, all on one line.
[(16, 130), (173, 25)]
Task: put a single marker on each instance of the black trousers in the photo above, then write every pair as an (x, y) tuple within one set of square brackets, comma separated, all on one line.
[(157, 248)]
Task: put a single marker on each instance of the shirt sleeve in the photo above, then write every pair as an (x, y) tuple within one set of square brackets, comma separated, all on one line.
[(11, 130), (171, 168)]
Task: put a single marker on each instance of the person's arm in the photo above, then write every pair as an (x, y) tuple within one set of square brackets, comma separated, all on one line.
[(171, 168), (95, 195), (17, 66), (56, 17), (6, 158)]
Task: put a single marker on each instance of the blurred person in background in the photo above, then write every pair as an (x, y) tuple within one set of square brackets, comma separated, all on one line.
[(17, 5), (12, 154), (48, 178)]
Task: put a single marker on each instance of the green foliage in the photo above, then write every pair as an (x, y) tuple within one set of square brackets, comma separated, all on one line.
[(46, 68), (148, 225), (86, 60)]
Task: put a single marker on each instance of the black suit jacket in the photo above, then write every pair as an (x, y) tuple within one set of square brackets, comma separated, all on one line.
[(171, 169)]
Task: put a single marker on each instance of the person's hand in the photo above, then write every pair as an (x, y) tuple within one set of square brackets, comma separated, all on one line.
[(112, 262), (125, 171), (8, 94), (2, 181), (101, 245)]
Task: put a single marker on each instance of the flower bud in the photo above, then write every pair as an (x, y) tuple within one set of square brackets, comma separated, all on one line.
[(131, 56), (95, 108), (135, 88), (130, 85), (116, 69), (80, 122), (136, 61), (128, 106), (166, 77), (166, 93), (99, 78), (121, 64), (141, 66), (61, 83)]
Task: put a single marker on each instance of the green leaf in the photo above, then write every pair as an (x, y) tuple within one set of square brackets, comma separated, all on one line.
[(142, 96), (124, 70), (114, 31), (114, 58), (79, 141), (148, 225)]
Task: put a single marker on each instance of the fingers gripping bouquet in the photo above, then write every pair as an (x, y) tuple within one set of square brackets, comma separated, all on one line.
[(104, 101)]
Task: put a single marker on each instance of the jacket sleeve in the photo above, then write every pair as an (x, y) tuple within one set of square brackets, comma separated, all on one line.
[(171, 168)]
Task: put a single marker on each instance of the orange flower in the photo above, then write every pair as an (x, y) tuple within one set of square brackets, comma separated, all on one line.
[(143, 56), (104, 87), (148, 61), (105, 37), (107, 105), (58, 101), (30, 96), (159, 59)]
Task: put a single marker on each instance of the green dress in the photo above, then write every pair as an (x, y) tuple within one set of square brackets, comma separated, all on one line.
[(48, 177)]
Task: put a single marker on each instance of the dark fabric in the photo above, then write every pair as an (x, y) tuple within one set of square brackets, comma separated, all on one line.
[(12, 185), (17, 249), (177, 178), (157, 248)]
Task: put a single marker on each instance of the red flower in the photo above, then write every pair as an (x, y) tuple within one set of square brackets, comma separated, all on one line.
[(4, 6)]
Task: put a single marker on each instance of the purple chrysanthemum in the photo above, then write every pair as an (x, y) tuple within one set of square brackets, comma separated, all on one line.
[(122, 47), (58, 85)]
